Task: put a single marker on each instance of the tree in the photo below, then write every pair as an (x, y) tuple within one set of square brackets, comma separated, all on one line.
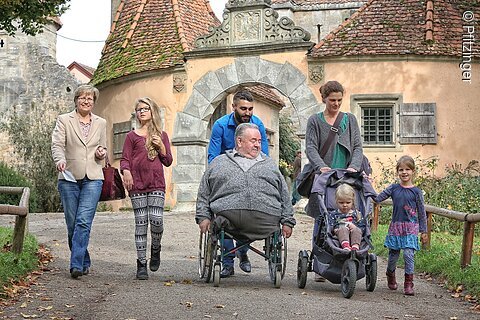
[(29, 15), (288, 140)]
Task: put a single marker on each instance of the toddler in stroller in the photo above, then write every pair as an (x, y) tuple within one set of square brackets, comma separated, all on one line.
[(328, 258)]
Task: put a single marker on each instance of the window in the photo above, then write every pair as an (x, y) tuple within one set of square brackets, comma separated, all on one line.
[(120, 131), (385, 121), (377, 125), (376, 115)]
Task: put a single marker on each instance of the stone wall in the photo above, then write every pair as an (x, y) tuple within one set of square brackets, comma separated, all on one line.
[(31, 76)]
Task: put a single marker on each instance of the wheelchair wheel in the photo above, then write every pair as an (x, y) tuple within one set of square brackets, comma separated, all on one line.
[(302, 269), (206, 253), (349, 278), (276, 247), (278, 279), (371, 273), (216, 275), (284, 254)]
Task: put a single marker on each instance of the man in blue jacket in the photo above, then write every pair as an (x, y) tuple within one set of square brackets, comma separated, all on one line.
[(223, 139)]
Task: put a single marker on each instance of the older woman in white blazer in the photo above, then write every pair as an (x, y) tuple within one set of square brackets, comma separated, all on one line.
[(78, 150)]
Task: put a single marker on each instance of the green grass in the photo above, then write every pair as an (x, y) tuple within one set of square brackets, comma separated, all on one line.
[(442, 261), (13, 266)]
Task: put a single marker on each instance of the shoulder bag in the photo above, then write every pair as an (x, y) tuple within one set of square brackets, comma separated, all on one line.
[(306, 177), (112, 188)]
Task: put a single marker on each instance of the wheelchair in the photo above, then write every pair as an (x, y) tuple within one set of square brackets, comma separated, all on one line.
[(211, 254)]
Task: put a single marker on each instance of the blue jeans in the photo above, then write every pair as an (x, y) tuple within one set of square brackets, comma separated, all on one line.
[(79, 202), (228, 245)]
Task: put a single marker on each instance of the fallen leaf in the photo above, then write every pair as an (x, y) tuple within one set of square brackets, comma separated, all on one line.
[(187, 281), (69, 305), (219, 306), (167, 284), (23, 305), (40, 308), (207, 316), (28, 316), (304, 293)]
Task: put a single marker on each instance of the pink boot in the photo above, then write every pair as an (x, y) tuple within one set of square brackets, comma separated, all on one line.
[(408, 285), (391, 281)]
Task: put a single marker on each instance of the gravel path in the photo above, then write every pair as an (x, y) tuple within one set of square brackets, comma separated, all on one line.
[(175, 292)]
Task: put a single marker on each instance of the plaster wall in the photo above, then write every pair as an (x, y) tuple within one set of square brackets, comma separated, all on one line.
[(457, 113), (116, 104), (79, 76)]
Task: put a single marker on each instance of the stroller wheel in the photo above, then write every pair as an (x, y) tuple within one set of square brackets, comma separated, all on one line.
[(371, 273), (302, 269), (278, 279), (349, 278)]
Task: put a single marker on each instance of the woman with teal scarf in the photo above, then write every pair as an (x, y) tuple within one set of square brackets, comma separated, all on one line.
[(345, 152)]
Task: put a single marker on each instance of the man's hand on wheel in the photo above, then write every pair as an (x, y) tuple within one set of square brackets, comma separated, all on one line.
[(287, 231), (204, 226)]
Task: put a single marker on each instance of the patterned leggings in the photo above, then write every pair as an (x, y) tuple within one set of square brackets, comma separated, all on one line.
[(148, 207), (408, 256)]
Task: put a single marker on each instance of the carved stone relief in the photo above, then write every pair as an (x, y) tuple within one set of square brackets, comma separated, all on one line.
[(316, 73), (179, 82)]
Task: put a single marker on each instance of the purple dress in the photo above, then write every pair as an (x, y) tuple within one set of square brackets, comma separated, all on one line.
[(408, 216)]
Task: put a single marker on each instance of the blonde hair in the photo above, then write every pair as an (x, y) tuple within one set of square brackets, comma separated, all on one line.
[(345, 191), (154, 127)]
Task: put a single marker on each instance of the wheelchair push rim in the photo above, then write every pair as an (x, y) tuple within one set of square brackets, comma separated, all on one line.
[(206, 253)]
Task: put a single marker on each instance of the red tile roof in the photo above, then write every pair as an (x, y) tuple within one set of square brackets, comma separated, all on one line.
[(313, 2), (386, 27), (152, 35), (263, 91)]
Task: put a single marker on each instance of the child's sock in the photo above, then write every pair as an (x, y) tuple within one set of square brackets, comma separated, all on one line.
[(346, 245), (355, 247)]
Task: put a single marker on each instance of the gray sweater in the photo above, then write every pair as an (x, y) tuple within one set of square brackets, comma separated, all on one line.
[(226, 186), (316, 135)]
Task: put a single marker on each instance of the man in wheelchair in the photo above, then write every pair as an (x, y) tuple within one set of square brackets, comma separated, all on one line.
[(244, 191)]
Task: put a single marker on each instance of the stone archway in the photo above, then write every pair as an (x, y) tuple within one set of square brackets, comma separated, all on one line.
[(190, 131)]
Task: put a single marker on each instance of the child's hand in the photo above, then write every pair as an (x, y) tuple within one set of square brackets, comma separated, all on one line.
[(424, 238)]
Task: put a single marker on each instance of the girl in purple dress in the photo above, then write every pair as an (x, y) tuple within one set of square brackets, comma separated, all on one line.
[(408, 219), (145, 152)]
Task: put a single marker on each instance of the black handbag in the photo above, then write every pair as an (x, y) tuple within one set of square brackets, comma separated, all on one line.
[(112, 188)]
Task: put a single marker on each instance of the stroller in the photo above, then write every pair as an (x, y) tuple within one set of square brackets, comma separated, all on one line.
[(327, 258)]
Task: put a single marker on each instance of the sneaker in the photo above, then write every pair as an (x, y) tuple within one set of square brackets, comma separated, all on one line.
[(245, 264), (75, 273), (86, 270), (227, 271)]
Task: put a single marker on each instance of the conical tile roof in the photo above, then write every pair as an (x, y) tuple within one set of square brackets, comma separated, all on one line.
[(407, 27), (148, 35)]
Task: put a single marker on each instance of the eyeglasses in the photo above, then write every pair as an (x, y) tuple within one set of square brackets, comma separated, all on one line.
[(142, 110), (88, 99)]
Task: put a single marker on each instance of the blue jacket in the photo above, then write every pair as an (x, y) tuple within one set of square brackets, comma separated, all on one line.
[(223, 135)]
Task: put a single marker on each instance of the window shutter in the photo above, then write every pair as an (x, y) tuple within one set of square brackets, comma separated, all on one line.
[(417, 123), (120, 131)]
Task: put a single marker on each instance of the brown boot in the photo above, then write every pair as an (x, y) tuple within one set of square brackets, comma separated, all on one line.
[(391, 281), (408, 285)]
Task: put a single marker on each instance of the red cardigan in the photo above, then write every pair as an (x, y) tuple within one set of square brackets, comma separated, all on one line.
[(147, 174)]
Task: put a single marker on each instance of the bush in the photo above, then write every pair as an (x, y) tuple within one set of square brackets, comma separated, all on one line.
[(10, 178), (458, 190), (30, 132)]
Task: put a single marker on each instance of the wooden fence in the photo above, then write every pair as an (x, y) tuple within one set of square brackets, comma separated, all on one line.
[(21, 211), (469, 220)]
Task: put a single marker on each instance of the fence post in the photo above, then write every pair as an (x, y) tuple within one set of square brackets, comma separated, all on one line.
[(376, 214), (467, 245), (429, 231), (19, 233)]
